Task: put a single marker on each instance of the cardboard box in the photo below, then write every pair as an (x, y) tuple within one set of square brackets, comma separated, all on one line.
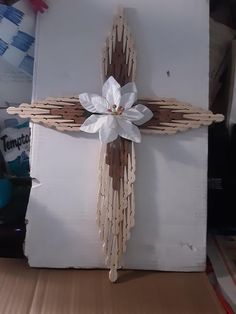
[(173, 52), (25, 291)]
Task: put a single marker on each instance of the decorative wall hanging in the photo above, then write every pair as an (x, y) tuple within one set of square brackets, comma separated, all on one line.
[(118, 117)]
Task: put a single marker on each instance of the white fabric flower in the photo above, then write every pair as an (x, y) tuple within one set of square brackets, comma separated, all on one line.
[(113, 112)]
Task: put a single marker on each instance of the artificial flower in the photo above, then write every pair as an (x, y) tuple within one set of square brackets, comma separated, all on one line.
[(113, 113)]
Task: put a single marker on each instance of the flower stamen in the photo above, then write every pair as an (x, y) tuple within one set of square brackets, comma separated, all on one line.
[(116, 110)]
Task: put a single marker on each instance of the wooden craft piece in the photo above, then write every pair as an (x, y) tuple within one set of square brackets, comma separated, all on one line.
[(169, 115), (116, 201)]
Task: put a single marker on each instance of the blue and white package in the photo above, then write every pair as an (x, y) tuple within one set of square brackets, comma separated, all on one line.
[(17, 31), (15, 144)]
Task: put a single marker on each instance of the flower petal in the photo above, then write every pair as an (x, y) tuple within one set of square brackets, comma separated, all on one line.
[(146, 112), (128, 130), (85, 100), (94, 123), (93, 102), (129, 88), (111, 91), (109, 130), (100, 103), (127, 100), (132, 114)]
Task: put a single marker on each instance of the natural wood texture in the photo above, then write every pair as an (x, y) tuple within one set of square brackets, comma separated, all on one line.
[(64, 114), (26, 290), (116, 208), (169, 115), (119, 55)]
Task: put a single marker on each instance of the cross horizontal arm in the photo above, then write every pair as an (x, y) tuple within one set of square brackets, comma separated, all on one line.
[(64, 114), (169, 116)]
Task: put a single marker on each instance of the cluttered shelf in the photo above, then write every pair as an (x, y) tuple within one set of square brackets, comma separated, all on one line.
[(14, 198)]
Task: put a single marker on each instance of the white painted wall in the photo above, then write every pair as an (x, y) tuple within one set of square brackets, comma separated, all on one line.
[(171, 171)]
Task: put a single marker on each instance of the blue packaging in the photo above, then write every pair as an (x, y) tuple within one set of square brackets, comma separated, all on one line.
[(5, 192), (15, 144)]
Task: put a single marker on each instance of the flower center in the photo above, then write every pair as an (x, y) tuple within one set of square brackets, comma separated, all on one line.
[(116, 110)]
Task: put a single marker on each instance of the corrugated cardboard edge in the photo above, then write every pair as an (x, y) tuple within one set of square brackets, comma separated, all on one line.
[(26, 290)]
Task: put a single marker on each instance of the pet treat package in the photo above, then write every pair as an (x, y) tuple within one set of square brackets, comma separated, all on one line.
[(15, 143)]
